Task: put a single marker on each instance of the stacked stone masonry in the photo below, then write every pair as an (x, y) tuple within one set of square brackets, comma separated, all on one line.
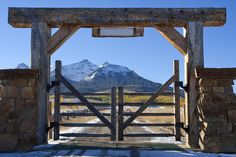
[(217, 110), (18, 109)]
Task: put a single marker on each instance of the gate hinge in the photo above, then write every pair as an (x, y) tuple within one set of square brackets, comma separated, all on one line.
[(181, 84), (53, 83), (52, 124), (183, 126)]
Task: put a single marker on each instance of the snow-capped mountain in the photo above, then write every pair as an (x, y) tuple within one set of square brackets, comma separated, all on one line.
[(107, 70), (89, 77), (109, 75), (22, 66), (76, 71)]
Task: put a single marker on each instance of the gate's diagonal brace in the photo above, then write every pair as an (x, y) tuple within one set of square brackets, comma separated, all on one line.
[(87, 103), (149, 101)]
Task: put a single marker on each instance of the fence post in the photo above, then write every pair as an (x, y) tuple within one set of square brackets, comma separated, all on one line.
[(177, 102), (113, 113), (120, 114), (50, 119), (57, 100)]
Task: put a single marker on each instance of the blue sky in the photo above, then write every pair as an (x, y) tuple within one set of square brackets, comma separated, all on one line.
[(150, 56)]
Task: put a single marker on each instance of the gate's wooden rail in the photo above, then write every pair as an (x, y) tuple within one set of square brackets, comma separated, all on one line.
[(131, 116), (83, 102), (150, 102)]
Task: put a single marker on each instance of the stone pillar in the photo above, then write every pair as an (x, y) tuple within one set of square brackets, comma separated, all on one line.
[(217, 110), (18, 109)]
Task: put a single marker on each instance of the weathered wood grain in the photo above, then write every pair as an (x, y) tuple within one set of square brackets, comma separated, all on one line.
[(174, 37), (176, 90), (148, 135), (61, 36), (113, 113), (87, 103), (120, 113), (125, 17), (193, 59), (57, 91), (40, 35), (148, 102)]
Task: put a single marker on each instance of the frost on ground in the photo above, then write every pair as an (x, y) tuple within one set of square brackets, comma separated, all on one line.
[(48, 151), (113, 153)]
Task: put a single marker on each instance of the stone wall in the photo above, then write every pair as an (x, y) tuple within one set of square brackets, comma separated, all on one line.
[(217, 110), (18, 109)]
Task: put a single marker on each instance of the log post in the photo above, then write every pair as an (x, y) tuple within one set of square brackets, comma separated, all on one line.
[(40, 35), (50, 119), (193, 59), (177, 102), (113, 112), (57, 100), (120, 113)]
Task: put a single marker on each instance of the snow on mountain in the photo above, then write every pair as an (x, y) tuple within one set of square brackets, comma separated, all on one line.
[(106, 69), (76, 71), (22, 66), (110, 75)]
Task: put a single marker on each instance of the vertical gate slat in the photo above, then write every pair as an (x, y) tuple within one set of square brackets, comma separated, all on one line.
[(177, 102), (50, 119), (113, 112), (57, 100), (120, 114)]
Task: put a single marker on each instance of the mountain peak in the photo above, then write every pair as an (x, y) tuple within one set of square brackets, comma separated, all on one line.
[(105, 64), (22, 66), (85, 61), (77, 71)]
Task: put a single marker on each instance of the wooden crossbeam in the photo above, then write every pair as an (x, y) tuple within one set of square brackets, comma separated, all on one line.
[(110, 17), (174, 37), (61, 36), (87, 103), (84, 135), (149, 101)]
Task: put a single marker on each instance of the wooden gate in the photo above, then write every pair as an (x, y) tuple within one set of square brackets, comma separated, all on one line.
[(82, 102), (131, 116), (125, 119)]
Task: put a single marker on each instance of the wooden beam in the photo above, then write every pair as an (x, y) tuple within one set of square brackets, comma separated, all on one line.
[(110, 17), (40, 35), (84, 135), (193, 59), (120, 113), (78, 95), (176, 97), (113, 113), (149, 101), (61, 36), (174, 37), (57, 97)]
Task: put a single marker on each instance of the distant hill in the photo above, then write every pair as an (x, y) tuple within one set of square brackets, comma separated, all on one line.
[(109, 75), (22, 66), (89, 77)]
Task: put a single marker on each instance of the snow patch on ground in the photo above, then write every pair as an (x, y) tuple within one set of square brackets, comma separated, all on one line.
[(159, 139), (52, 143)]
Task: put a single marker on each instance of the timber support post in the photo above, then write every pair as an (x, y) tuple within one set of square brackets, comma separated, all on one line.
[(193, 59), (113, 113), (120, 113), (57, 100), (176, 91), (40, 35)]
